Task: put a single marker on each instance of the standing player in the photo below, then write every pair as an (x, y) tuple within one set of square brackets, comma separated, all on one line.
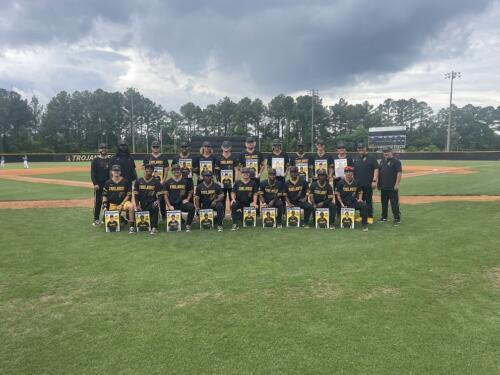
[(99, 173), (187, 164), (340, 161), (125, 161), (320, 160), (252, 160), (321, 195), (279, 161), (209, 196), (270, 192), (116, 195), (147, 193), (349, 194), (244, 194), (296, 194), (226, 161), (179, 193), (388, 184), (160, 165), (207, 161), (366, 173), (25, 162), (300, 158), (2, 162)]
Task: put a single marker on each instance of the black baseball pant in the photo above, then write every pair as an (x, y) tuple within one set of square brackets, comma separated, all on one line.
[(368, 199), (237, 211), (153, 213), (98, 202), (306, 206), (219, 209), (392, 196), (363, 210), (278, 204), (186, 207)]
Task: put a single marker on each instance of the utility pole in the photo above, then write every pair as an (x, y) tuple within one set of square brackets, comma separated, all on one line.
[(132, 120), (451, 76), (314, 93)]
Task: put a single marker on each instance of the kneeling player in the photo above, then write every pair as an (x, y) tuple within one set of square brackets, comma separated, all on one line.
[(296, 194), (116, 195), (178, 193), (244, 194), (147, 193), (270, 195), (350, 194), (321, 196), (209, 195)]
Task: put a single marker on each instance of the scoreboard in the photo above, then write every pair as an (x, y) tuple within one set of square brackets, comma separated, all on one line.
[(387, 136)]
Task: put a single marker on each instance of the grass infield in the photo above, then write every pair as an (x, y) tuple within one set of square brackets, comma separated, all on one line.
[(420, 298)]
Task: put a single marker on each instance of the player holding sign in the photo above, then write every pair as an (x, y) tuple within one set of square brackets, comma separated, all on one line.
[(244, 194), (209, 195), (159, 162), (321, 161), (252, 160), (296, 194), (300, 160), (226, 166), (279, 161), (178, 195), (146, 197), (185, 161), (270, 194), (350, 194), (206, 162), (321, 196), (116, 195)]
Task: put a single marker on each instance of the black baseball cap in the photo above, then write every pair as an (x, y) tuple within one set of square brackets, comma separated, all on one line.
[(321, 172), (155, 144), (103, 145), (122, 143), (116, 167), (207, 173), (361, 145), (176, 167), (226, 144), (387, 149), (300, 143), (206, 144), (341, 145), (294, 169), (149, 166), (276, 142), (250, 140), (245, 170), (271, 171), (184, 144), (320, 141)]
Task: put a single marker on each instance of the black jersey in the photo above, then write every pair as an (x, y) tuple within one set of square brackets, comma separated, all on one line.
[(348, 191), (127, 165), (147, 191), (300, 161), (271, 192), (226, 164), (99, 170), (320, 162), (364, 168), (186, 163), (205, 163), (296, 190), (178, 190), (252, 161), (245, 191), (207, 194), (321, 193), (279, 162), (159, 163), (116, 192), (340, 163)]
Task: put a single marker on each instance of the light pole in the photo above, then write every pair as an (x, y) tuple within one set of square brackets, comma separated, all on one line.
[(451, 76), (314, 93)]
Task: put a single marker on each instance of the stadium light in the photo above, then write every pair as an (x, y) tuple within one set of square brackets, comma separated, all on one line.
[(451, 76), (314, 93)]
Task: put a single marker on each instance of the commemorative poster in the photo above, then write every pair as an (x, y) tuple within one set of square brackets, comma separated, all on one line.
[(249, 217), (340, 164), (320, 164), (173, 221), (205, 165), (226, 177), (142, 221), (293, 217), (268, 217), (254, 165), (321, 218), (158, 172), (279, 165), (347, 216), (112, 221), (303, 169), (186, 167), (206, 219)]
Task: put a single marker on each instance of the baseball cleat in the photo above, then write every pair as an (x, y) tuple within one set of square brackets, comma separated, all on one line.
[(365, 228), (397, 222), (332, 227), (131, 230), (235, 227), (382, 220), (153, 231), (220, 228), (96, 223), (305, 226), (280, 226), (188, 228)]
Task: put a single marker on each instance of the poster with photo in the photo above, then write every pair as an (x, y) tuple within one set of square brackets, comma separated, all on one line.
[(293, 217), (278, 164), (253, 165), (226, 177), (186, 166), (142, 221), (205, 165), (206, 219), (320, 164), (321, 218), (112, 221), (268, 217), (174, 221), (340, 164), (249, 217), (303, 169), (347, 217), (158, 172)]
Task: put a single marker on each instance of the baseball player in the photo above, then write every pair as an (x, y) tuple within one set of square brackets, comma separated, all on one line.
[(350, 194), (321, 195), (300, 157), (188, 162), (2, 162), (270, 193), (159, 162), (244, 194), (116, 195), (179, 193), (388, 183), (320, 160), (226, 161), (366, 173), (146, 195), (209, 195), (296, 194), (281, 158), (207, 156), (25, 162), (252, 160), (125, 161), (99, 174)]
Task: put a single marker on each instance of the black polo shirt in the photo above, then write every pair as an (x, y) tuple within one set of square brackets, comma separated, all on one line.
[(389, 169), (364, 168)]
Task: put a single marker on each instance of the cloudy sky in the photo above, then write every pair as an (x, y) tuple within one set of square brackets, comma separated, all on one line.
[(202, 50)]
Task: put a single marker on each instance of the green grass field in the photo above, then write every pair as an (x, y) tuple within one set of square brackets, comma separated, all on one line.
[(421, 298)]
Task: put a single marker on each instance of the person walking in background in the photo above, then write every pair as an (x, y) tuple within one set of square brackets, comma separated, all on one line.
[(25, 162), (389, 180), (366, 174), (2, 162)]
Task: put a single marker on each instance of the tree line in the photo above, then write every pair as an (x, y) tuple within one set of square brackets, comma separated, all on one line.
[(79, 121)]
